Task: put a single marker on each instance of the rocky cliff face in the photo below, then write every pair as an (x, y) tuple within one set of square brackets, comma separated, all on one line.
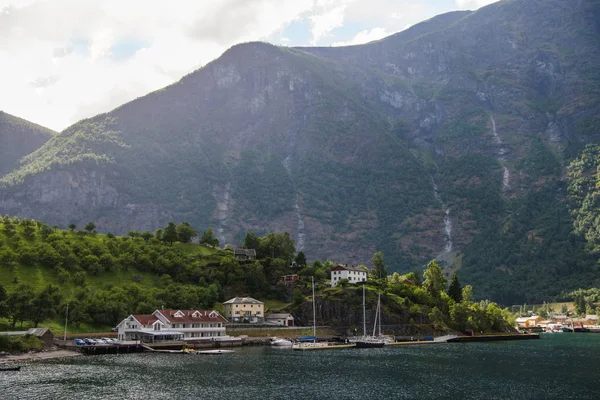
[(434, 142)]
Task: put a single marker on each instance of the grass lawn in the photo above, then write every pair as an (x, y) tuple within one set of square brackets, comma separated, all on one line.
[(274, 306)]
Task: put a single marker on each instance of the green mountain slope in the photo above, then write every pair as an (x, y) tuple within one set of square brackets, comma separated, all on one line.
[(450, 140), (17, 139)]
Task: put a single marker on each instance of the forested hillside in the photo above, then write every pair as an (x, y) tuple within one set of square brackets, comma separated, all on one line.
[(448, 140), (17, 139), (104, 278)]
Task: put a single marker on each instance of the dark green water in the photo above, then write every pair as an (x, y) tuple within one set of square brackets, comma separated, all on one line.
[(559, 366)]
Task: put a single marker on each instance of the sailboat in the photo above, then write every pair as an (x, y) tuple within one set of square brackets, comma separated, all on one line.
[(371, 341), (310, 342)]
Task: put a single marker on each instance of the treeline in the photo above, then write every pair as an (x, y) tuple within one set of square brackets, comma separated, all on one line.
[(161, 271), (164, 273), (447, 307)]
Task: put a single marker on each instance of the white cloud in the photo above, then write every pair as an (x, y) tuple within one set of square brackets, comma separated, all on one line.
[(473, 4), (57, 56), (323, 24), (365, 37), (63, 60)]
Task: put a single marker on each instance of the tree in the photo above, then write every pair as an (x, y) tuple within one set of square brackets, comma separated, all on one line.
[(20, 303), (434, 282), (455, 290), (437, 319), (44, 304), (72, 227), (208, 238), (170, 233), (185, 232), (147, 235), (3, 306), (251, 241), (379, 267), (467, 294), (300, 259), (90, 226)]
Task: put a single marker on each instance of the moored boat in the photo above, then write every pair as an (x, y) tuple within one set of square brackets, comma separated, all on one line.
[(18, 368), (281, 342)]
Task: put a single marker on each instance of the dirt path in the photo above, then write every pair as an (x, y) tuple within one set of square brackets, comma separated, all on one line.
[(45, 355)]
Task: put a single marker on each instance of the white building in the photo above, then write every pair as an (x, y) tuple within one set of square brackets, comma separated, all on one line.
[(173, 325), (351, 273), (283, 319)]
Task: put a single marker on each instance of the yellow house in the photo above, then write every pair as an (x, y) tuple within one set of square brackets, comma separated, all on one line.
[(241, 309), (528, 322)]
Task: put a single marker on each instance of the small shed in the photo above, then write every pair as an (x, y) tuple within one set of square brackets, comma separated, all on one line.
[(280, 319), (245, 254), (44, 334)]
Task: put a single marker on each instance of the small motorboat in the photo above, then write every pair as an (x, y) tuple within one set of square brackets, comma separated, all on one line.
[(281, 342), (10, 368)]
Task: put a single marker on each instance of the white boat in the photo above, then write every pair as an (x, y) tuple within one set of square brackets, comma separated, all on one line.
[(371, 341), (281, 342), (311, 341)]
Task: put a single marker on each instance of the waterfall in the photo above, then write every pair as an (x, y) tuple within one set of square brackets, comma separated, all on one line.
[(502, 155), (223, 212), (300, 234), (447, 220), (506, 179)]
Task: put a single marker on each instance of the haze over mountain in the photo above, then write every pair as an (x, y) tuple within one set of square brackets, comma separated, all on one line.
[(449, 139)]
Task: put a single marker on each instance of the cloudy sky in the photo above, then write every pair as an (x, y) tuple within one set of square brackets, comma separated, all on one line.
[(64, 60)]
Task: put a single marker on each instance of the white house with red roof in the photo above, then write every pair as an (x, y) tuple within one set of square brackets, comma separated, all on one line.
[(350, 272), (173, 325)]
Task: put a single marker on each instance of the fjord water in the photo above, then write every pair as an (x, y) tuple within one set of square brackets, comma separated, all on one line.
[(556, 367)]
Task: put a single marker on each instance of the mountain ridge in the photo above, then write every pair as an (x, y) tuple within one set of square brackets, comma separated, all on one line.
[(416, 145)]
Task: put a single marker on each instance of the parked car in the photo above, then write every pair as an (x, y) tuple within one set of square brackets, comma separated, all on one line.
[(114, 330), (89, 341), (79, 342)]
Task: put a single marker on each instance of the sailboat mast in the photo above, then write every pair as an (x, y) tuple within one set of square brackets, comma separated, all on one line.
[(312, 278), (375, 324), (379, 309), (364, 314)]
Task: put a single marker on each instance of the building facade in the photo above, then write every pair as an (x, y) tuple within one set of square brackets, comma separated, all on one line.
[(244, 309), (173, 325), (351, 273), (280, 319)]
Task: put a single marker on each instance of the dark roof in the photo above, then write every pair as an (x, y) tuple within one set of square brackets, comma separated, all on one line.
[(244, 252), (348, 268)]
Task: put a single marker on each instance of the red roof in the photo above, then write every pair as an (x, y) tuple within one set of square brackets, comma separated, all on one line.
[(190, 316)]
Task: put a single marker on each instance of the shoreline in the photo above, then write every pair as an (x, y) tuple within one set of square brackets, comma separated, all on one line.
[(42, 355)]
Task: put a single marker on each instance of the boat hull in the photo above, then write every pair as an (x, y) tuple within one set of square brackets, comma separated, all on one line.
[(369, 345)]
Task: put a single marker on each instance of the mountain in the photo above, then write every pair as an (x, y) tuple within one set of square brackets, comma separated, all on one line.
[(450, 139), (17, 139)]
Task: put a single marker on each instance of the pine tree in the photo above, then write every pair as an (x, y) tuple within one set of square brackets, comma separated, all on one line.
[(455, 290)]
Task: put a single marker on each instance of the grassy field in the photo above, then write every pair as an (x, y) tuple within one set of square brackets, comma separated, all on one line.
[(272, 306)]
